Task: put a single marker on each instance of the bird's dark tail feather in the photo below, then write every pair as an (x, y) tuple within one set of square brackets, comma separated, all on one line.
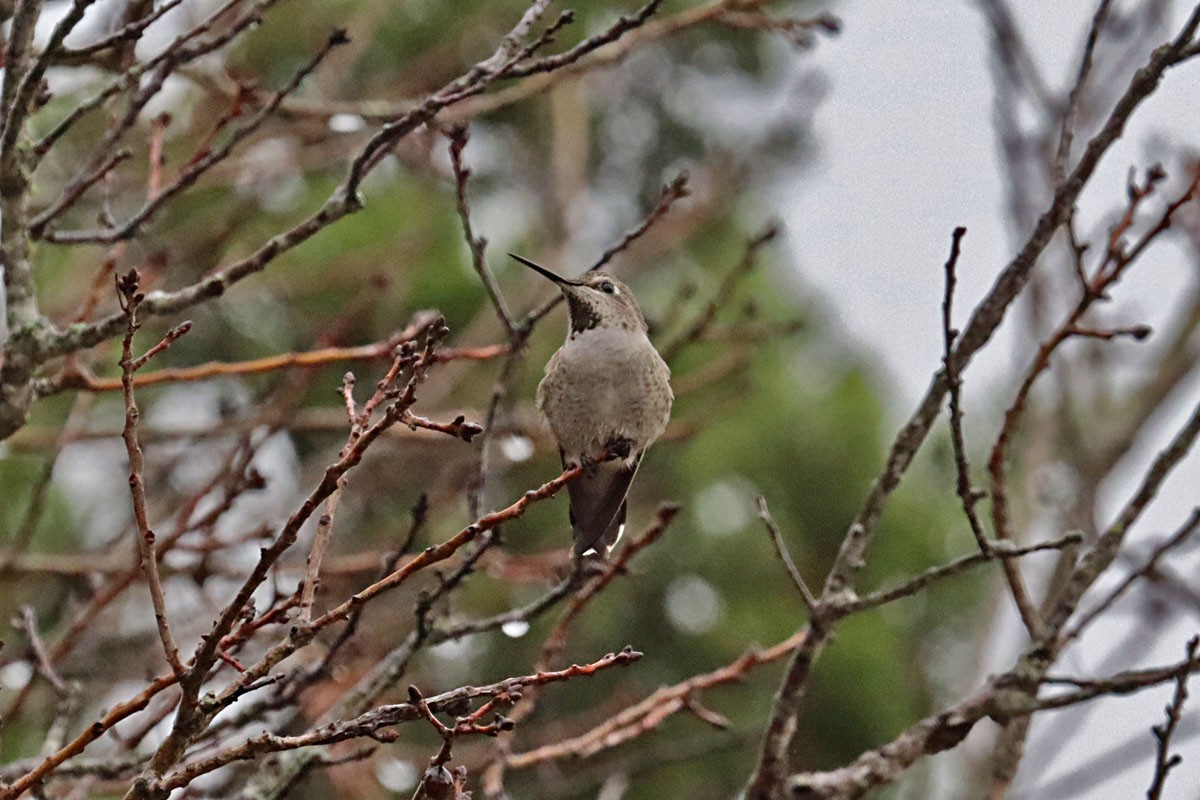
[(598, 505)]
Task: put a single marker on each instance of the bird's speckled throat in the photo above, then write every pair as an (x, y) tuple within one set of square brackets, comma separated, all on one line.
[(584, 315)]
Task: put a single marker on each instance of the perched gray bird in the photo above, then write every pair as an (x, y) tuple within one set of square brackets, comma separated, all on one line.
[(606, 387)]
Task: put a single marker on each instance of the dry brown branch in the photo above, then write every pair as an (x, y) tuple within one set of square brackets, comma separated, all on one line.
[(190, 174), (433, 554), (967, 494), (36, 775), (294, 671), (998, 551), (27, 622), (312, 563), (1067, 132)]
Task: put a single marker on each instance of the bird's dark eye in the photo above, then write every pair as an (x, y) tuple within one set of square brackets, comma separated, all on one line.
[(608, 288)]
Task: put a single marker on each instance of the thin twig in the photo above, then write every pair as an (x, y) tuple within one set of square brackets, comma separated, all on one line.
[(815, 610), (967, 494), (671, 193), (1164, 762), (130, 297), (192, 172), (312, 563), (458, 136), (1067, 133), (721, 296), (998, 551), (651, 711)]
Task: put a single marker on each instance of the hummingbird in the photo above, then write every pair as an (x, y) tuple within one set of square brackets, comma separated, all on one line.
[(605, 390)]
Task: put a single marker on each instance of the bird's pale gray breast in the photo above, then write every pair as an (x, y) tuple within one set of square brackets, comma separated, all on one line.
[(604, 384)]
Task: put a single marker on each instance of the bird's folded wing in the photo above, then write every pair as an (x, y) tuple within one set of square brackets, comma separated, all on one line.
[(598, 505)]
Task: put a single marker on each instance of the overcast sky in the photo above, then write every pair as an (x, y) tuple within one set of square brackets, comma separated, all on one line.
[(907, 152)]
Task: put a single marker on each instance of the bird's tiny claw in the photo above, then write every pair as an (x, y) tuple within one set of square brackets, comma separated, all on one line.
[(621, 447), (589, 465)]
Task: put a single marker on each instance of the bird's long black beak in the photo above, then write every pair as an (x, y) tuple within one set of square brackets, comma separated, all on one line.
[(545, 273)]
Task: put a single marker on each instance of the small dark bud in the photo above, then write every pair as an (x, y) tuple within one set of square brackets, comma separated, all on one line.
[(504, 723), (339, 37), (127, 284), (43, 95), (414, 695), (1140, 332), (255, 480)]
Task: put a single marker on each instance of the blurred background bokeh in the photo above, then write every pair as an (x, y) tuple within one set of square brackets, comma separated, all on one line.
[(775, 399)]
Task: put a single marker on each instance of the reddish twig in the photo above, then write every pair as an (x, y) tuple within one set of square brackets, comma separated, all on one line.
[(459, 427), (90, 734), (650, 712), (192, 172), (307, 359), (433, 554)]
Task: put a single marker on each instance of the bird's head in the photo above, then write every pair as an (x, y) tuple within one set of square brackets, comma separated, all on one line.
[(594, 300)]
